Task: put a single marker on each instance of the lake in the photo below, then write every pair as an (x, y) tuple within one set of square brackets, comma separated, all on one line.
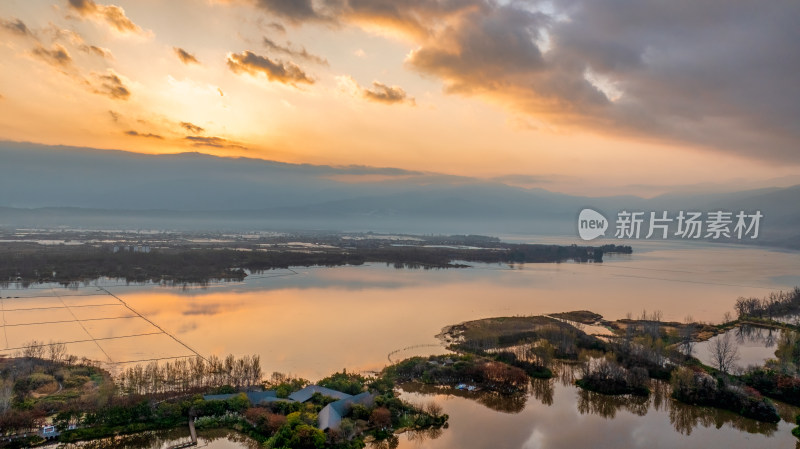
[(556, 414), (311, 322), (163, 439), (754, 345)]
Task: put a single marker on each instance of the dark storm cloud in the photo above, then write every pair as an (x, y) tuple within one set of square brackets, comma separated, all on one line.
[(15, 26), (285, 72), (486, 48), (110, 85), (719, 75), (694, 71), (382, 93), (57, 55), (684, 71), (192, 128), (111, 14), (185, 57), (138, 134), (287, 50)]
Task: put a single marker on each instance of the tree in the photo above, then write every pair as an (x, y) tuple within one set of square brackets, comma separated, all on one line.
[(724, 352), (727, 317), (687, 336), (788, 351), (433, 409), (6, 394), (307, 437), (381, 418), (33, 349)]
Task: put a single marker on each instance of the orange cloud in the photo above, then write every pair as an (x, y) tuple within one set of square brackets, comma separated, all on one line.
[(386, 94), (185, 56), (285, 72), (192, 128), (212, 141), (112, 15), (110, 85), (138, 134), (15, 26), (56, 56)]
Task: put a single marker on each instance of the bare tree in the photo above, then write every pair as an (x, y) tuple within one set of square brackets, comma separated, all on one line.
[(31, 351), (652, 322), (687, 336), (724, 352), (185, 374), (433, 409), (727, 317), (56, 354), (657, 315), (34, 349), (6, 394)]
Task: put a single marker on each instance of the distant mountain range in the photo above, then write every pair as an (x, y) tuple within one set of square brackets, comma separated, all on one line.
[(66, 186)]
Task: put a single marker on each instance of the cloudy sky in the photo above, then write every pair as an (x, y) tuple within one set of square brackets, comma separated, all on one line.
[(578, 96)]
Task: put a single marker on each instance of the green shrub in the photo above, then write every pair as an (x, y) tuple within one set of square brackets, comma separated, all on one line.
[(345, 382), (700, 388)]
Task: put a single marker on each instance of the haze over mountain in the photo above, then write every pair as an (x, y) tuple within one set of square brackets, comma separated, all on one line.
[(65, 186)]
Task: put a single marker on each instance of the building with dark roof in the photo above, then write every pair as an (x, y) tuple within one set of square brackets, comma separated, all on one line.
[(330, 417), (255, 397), (306, 393)]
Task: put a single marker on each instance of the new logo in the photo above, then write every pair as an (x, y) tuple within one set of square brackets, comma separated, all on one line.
[(591, 224)]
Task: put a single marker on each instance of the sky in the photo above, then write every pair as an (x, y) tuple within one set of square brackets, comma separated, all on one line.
[(589, 97)]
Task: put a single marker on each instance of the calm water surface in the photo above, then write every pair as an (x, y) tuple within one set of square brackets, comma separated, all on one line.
[(320, 320), (314, 321), (211, 439), (754, 344), (557, 415)]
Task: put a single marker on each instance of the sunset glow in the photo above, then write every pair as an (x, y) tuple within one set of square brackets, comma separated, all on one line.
[(573, 97)]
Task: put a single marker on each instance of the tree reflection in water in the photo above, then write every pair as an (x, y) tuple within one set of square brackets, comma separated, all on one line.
[(160, 439), (565, 372), (388, 443), (607, 405), (418, 437), (685, 418), (542, 390), (755, 334), (140, 440), (422, 436), (660, 393), (505, 403)]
